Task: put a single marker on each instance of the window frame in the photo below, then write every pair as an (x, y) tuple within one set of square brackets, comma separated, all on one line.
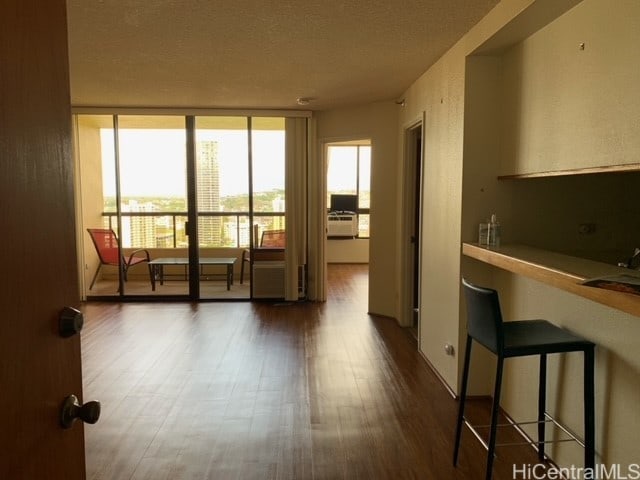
[(359, 210)]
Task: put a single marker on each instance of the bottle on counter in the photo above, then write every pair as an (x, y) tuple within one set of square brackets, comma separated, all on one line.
[(494, 232), (483, 234)]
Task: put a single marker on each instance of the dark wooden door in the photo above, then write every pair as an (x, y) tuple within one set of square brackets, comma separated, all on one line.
[(38, 368)]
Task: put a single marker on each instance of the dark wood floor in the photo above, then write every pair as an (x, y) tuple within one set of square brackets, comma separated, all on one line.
[(260, 391)]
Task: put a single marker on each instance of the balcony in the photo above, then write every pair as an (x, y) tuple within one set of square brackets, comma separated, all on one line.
[(162, 233)]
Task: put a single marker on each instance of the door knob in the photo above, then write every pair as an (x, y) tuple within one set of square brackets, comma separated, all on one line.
[(70, 322), (72, 410)]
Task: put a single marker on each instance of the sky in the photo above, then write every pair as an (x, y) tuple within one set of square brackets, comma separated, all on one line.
[(342, 174), (153, 162)]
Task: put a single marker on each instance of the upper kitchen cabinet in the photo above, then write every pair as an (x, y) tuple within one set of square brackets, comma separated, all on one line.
[(569, 94)]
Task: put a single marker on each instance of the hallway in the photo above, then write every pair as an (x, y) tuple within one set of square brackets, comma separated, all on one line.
[(269, 391)]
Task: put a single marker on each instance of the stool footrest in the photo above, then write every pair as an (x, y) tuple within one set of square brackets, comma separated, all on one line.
[(549, 419), (531, 442)]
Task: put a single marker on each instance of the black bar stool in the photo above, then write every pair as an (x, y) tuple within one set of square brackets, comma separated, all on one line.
[(518, 339)]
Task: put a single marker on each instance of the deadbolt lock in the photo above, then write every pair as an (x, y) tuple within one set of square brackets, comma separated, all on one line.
[(70, 322)]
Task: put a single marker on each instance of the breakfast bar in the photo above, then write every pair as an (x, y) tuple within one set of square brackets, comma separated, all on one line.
[(558, 270)]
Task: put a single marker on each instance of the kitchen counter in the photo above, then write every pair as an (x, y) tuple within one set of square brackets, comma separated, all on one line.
[(558, 270)]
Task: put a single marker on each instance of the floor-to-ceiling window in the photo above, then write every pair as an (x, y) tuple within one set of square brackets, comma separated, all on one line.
[(134, 182), (268, 204), (268, 193)]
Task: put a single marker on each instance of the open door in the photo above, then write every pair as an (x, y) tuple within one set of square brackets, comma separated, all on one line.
[(38, 367)]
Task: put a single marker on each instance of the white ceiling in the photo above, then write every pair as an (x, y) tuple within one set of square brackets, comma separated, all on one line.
[(257, 53)]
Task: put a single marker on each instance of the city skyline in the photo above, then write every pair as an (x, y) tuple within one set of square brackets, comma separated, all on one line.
[(152, 164)]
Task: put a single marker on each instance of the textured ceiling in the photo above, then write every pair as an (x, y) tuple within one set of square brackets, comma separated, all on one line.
[(257, 53)]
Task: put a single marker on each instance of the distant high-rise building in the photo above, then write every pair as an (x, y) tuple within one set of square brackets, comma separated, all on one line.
[(277, 205), (233, 230), (208, 193), (138, 231), (245, 232)]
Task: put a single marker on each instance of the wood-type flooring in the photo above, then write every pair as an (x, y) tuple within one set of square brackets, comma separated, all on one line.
[(270, 391)]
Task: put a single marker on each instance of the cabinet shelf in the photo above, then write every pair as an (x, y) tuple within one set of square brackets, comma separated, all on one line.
[(632, 167), (558, 270)]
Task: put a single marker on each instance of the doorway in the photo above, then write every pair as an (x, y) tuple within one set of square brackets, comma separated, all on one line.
[(412, 231), (348, 197)]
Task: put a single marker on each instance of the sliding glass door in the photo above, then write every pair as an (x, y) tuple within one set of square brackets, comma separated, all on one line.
[(152, 176), (240, 196), (222, 202), (133, 194)]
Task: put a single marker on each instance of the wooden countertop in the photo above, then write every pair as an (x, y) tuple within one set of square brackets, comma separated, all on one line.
[(558, 270)]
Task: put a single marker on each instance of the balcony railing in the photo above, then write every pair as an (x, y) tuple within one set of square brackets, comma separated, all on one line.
[(166, 229)]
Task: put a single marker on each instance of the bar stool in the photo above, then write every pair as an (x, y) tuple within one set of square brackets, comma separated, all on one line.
[(518, 339)]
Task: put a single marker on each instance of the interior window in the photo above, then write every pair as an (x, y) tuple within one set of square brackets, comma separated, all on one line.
[(349, 174)]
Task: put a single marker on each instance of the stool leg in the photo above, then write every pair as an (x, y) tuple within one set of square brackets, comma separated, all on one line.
[(463, 396), (494, 417), (542, 395), (589, 409)]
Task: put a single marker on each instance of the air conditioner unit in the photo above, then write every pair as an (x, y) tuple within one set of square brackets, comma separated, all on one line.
[(268, 279), (342, 225)]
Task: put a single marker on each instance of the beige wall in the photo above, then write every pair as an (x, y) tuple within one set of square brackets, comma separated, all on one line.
[(482, 193), (550, 211), (535, 101), (439, 92), (89, 176), (348, 251), (378, 122)]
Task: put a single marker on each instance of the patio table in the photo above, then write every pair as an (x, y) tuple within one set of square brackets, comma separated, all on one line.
[(158, 264)]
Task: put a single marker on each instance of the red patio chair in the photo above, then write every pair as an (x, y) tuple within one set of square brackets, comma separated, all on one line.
[(273, 239), (107, 247)]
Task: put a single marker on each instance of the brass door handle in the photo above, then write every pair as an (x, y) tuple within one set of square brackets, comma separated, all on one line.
[(72, 410)]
